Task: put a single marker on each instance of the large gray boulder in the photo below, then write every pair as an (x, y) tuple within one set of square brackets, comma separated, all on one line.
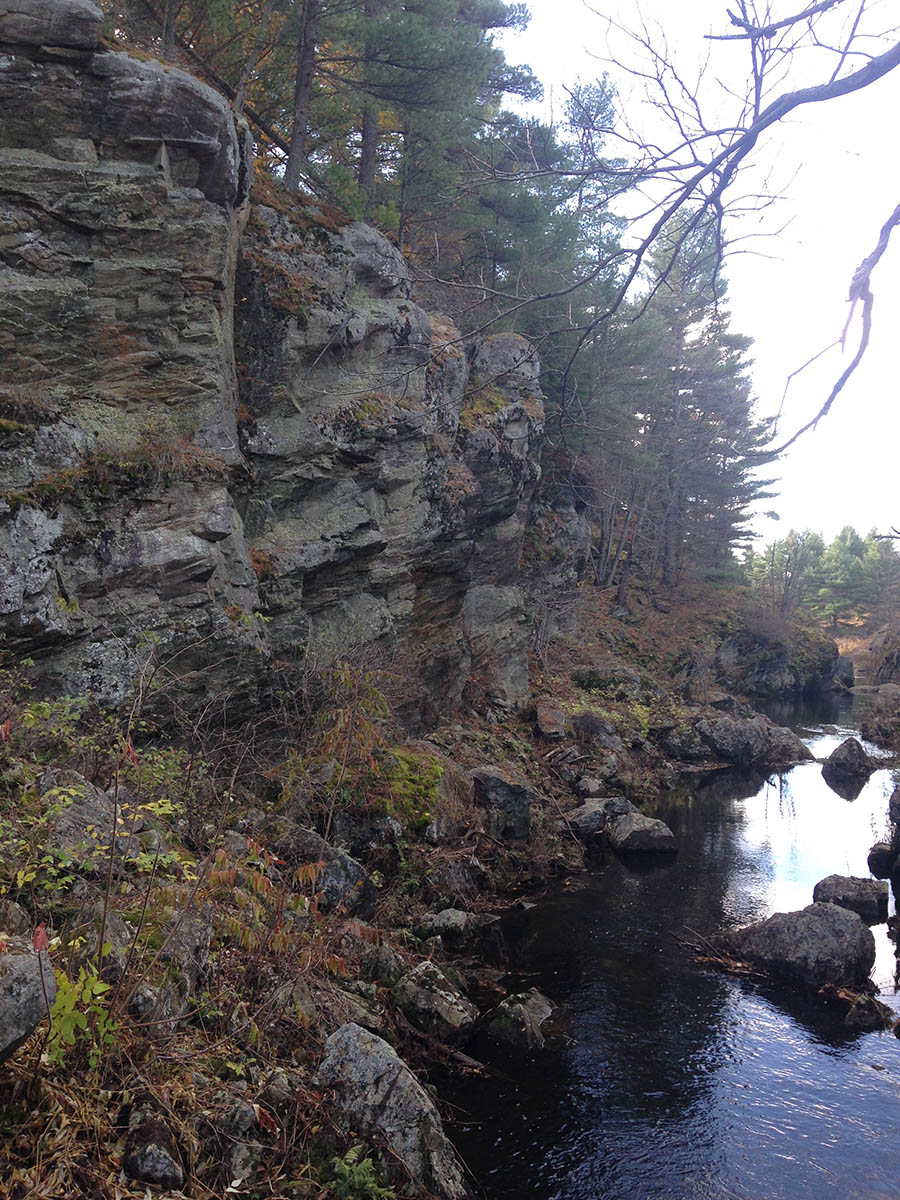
[(27, 989), (433, 1004), (848, 761), (507, 800), (634, 833), (868, 898), (378, 1095), (752, 741), (819, 944)]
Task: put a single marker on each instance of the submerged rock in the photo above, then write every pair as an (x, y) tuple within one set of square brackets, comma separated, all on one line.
[(819, 944), (378, 1094), (868, 898), (27, 991), (518, 1019), (433, 1004)]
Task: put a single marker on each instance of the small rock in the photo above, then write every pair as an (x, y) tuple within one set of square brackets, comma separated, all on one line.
[(868, 1014), (433, 1004), (552, 722), (480, 932), (634, 833), (14, 920), (868, 898), (518, 1019), (151, 1154)]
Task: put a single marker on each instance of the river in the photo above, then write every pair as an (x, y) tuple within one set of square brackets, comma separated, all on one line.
[(677, 1081)]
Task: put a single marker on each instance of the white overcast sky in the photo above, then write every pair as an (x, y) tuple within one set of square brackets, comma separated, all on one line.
[(840, 167)]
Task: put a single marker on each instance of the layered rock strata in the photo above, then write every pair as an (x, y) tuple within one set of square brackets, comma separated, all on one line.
[(214, 476)]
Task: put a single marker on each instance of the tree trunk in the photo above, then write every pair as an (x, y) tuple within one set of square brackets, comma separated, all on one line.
[(240, 92), (168, 46), (368, 150), (303, 80)]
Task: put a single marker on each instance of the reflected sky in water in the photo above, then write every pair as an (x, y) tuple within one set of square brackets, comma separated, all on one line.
[(681, 1082)]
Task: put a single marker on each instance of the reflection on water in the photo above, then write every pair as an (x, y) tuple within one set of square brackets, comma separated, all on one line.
[(681, 1082)]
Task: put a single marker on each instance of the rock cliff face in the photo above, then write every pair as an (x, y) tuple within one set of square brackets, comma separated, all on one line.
[(226, 431)]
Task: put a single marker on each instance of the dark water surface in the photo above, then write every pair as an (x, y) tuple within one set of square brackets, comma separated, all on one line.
[(680, 1081)]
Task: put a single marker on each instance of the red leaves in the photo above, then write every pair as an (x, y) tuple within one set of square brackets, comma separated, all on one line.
[(40, 939)]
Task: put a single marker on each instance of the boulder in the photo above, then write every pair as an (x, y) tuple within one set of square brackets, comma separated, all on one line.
[(342, 884), (517, 1020), (882, 860), (378, 1095), (590, 820), (819, 944), (67, 24), (27, 989), (634, 833), (508, 801), (13, 919), (81, 819), (752, 741), (848, 761), (551, 721), (433, 1004), (868, 898)]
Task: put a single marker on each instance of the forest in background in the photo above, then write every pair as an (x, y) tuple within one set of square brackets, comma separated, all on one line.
[(409, 115)]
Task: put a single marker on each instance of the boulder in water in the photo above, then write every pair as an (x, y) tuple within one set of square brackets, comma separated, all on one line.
[(868, 898), (752, 741), (518, 1019), (848, 761), (633, 833), (882, 860), (819, 944)]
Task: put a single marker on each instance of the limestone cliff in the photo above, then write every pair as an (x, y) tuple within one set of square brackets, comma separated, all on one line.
[(226, 431)]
